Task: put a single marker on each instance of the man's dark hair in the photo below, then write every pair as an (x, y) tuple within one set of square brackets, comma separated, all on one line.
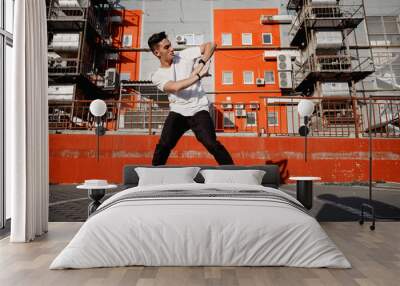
[(155, 39)]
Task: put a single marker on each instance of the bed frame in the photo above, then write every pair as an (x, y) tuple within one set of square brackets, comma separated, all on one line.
[(270, 179)]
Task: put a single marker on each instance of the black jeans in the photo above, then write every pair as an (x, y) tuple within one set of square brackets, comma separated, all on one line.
[(201, 124)]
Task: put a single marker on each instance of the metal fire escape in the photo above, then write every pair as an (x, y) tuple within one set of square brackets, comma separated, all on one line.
[(331, 61), (79, 43)]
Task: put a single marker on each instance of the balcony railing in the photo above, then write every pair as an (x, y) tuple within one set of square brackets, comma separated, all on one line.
[(76, 15), (337, 117), (273, 116), (333, 64), (63, 66), (328, 17)]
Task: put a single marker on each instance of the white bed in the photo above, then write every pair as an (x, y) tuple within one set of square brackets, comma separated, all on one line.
[(271, 229)]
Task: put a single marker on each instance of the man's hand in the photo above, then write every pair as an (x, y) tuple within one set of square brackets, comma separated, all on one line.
[(205, 70), (207, 50)]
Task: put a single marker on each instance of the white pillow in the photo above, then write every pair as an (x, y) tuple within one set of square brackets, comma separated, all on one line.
[(165, 176), (248, 177)]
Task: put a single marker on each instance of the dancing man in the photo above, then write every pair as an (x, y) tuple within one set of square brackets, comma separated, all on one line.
[(179, 75)]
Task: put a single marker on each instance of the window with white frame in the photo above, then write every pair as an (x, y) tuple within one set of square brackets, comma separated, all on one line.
[(248, 77), (383, 30), (229, 119), (227, 77), (272, 118), (193, 39), (247, 39), (251, 118), (267, 38), (127, 41), (226, 39), (269, 77)]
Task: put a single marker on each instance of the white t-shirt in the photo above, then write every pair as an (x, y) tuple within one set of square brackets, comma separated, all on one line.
[(191, 99)]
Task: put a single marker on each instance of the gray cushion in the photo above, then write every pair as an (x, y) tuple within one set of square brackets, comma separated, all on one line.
[(270, 179)]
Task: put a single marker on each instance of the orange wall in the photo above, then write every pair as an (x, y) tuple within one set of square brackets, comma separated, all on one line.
[(72, 157), (236, 22), (132, 24)]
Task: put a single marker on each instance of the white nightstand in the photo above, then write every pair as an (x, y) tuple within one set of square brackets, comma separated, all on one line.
[(304, 190), (96, 191)]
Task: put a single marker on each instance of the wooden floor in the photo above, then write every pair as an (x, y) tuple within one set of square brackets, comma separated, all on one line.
[(375, 257)]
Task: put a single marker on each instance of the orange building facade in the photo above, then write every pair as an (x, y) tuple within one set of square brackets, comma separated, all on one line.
[(126, 36), (242, 75)]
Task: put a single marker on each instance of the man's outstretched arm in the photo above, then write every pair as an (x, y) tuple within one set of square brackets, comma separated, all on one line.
[(175, 86)]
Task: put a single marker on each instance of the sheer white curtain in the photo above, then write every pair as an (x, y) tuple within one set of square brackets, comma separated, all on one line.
[(27, 127)]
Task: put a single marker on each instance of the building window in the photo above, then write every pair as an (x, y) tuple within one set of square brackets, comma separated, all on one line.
[(248, 77), (227, 77), (247, 39), (251, 118), (193, 39), (267, 38), (272, 119), (226, 39), (269, 77), (125, 76), (127, 41), (229, 119), (383, 31)]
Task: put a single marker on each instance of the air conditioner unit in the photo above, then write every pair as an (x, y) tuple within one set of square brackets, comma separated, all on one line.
[(180, 39), (240, 113), (285, 80), (329, 40), (284, 62), (226, 106), (59, 63), (65, 42), (239, 106), (335, 89), (61, 92), (110, 78), (266, 19), (68, 3), (276, 19), (254, 105), (260, 81)]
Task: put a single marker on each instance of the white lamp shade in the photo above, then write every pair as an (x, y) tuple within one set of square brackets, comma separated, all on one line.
[(98, 107), (305, 107)]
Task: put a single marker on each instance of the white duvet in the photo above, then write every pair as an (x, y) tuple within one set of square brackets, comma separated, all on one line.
[(192, 231)]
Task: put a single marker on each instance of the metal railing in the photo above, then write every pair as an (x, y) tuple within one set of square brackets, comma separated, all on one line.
[(343, 116), (236, 117), (332, 63), (336, 14), (79, 14), (62, 66), (340, 116)]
